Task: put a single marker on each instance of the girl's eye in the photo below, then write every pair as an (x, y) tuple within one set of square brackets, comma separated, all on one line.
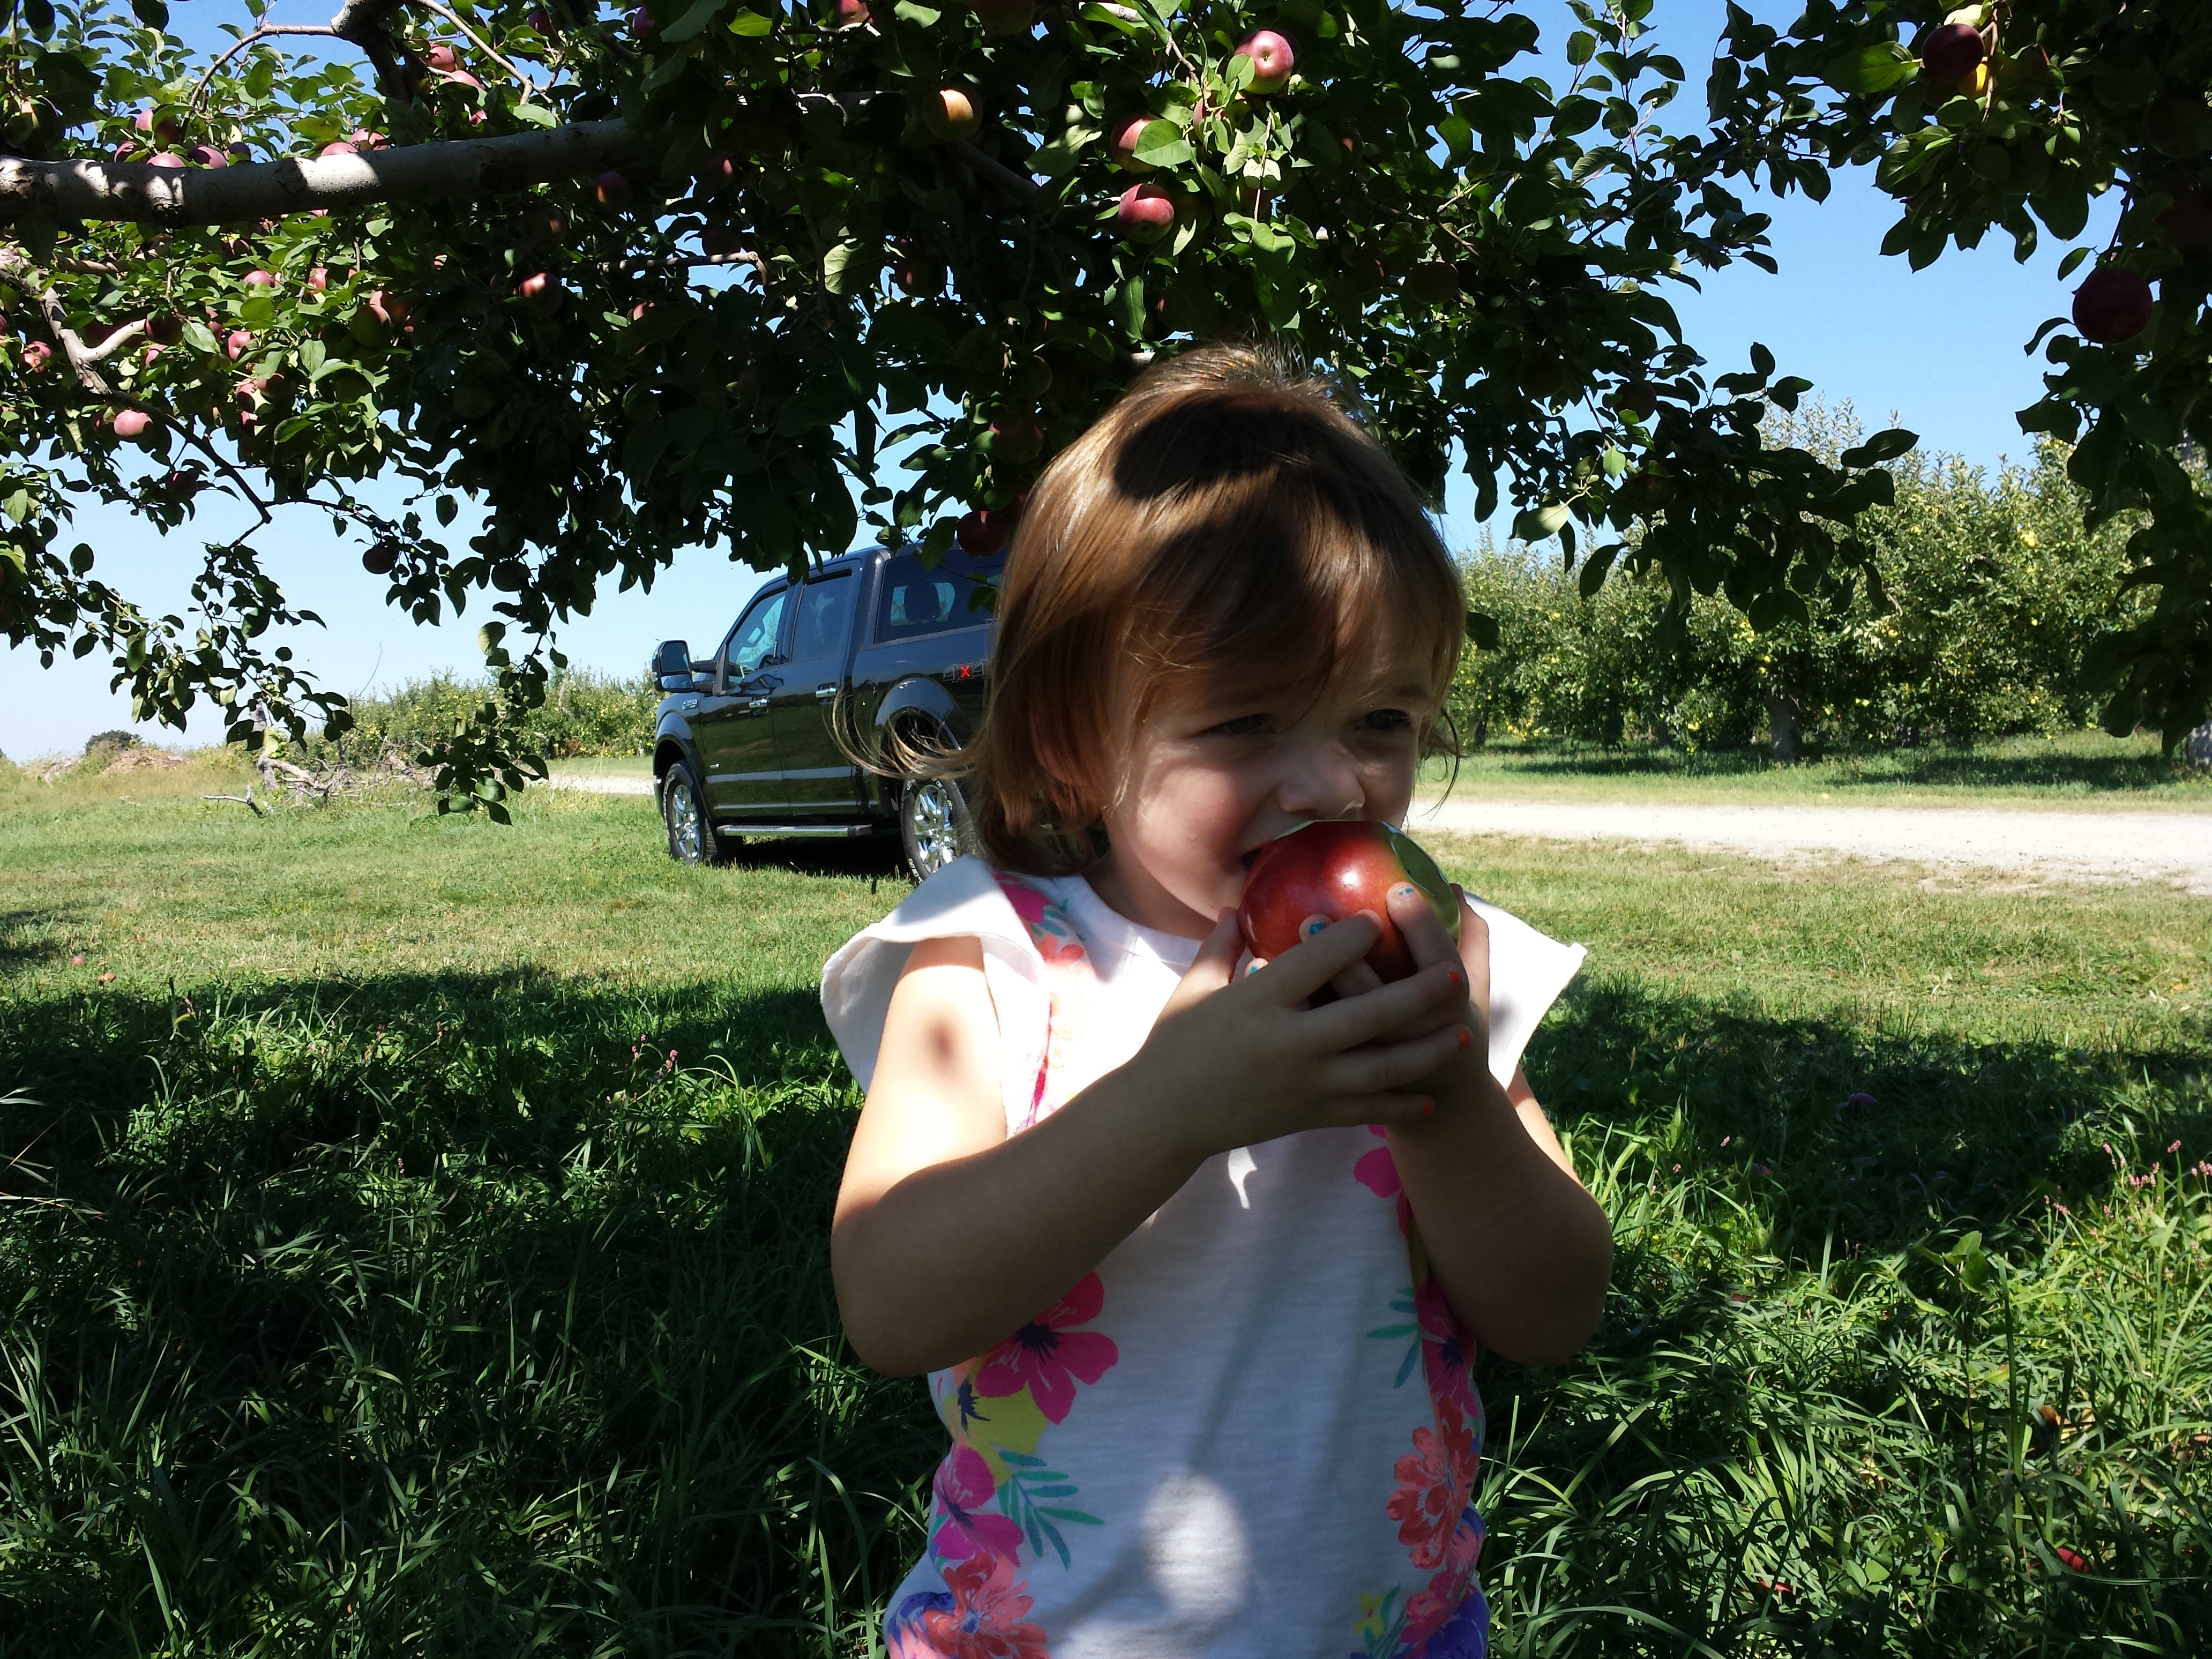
[(1244, 726), (1386, 720)]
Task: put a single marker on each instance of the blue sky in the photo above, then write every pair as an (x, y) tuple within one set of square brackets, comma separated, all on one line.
[(1942, 348)]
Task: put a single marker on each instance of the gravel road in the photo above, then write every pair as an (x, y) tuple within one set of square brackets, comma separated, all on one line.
[(2086, 846), (2174, 846)]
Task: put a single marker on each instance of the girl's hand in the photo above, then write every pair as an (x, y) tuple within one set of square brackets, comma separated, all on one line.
[(1430, 942), (1244, 1059)]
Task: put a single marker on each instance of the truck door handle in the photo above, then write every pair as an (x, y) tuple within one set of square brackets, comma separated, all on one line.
[(824, 693), (752, 704)]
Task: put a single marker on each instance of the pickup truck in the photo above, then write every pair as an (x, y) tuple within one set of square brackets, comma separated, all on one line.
[(760, 738)]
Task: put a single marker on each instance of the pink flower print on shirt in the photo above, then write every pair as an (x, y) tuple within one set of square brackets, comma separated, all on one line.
[(1443, 1353), (962, 1487), (1048, 1357), (1378, 1171), (986, 1618), (1434, 1480), (1430, 1610), (1049, 929)]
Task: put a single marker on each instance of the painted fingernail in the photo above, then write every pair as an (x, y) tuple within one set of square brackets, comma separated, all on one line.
[(1465, 1038), (1428, 1107), (1251, 968), (1455, 976), (1404, 889), (1312, 926)]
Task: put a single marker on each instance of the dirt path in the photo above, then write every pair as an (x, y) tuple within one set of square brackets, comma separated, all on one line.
[(2084, 846)]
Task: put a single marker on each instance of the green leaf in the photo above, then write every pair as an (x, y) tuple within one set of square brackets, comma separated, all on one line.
[(1536, 524), (1483, 630), (1885, 446), (1870, 69), (851, 264), (1581, 46), (907, 12), (536, 115), (311, 357), (1162, 144), (751, 25)]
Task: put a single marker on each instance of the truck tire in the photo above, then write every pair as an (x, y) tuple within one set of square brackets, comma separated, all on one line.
[(935, 827), (691, 837)]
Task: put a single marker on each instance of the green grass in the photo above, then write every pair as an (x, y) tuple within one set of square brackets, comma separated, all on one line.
[(419, 1244), (2084, 771)]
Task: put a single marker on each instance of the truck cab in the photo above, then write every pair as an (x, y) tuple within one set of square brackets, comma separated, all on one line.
[(809, 717)]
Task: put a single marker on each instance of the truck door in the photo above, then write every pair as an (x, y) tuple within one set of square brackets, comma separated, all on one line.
[(731, 726), (818, 780)]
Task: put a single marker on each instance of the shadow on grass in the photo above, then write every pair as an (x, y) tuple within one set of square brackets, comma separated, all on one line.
[(21, 946), (443, 1312)]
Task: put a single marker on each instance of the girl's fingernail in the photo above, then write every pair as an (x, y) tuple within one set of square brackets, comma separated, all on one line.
[(1404, 889), (1251, 968), (1465, 1038), (1428, 1107), (1455, 976), (1312, 926)]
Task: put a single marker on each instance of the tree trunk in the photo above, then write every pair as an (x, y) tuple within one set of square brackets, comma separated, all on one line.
[(1782, 714), (2196, 747)]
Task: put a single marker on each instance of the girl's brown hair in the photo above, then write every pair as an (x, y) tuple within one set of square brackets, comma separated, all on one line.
[(1227, 518)]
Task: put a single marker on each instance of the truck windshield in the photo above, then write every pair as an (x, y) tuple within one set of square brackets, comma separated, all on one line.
[(914, 601)]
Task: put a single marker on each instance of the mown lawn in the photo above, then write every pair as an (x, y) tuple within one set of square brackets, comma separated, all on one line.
[(418, 1245)]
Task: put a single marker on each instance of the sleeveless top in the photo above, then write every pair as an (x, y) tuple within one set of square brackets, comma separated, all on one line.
[(1251, 1432)]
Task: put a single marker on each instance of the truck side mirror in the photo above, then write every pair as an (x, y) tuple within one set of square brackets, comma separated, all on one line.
[(671, 666)]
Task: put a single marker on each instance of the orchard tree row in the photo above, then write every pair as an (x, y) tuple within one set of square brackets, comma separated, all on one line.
[(732, 274)]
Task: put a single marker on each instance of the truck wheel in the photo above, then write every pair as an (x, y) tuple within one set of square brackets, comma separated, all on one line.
[(691, 838), (934, 826)]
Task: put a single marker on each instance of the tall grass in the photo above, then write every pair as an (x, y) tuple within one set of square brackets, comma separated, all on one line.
[(450, 1304)]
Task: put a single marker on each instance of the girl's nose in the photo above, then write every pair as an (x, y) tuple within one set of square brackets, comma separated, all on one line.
[(1322, 783)]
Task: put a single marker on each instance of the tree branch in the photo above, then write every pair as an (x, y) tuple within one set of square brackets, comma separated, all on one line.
[(483, 46), (14, 264), (469, 167)]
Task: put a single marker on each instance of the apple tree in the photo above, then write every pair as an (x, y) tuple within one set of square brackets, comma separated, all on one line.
[(734, 275)]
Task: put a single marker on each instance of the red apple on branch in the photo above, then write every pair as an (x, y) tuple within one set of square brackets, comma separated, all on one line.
[(542, 289), (130, 423), (1273, 60), (1146, 213), (36, 355), (852, 13), (1016, 438), (380, 559), (1951, 53), (165, 329), (1122, 133), (441, 58), (611, 190), (951, 114), (984, 532), (261, 279), (1333, 870), (2112, 304), (240, 342)]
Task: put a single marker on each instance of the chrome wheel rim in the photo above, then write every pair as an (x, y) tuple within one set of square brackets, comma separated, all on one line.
[(932, 820), (685, 830)]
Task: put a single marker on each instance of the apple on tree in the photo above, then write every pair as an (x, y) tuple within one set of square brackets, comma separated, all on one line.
[(2113, 303), (950, 113), (1273, 60), (1332, 870), (984, 532), (1146, 213), (1122, 134)]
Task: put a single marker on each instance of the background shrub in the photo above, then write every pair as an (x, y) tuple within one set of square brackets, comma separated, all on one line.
[(1993, 589), (584, 715)]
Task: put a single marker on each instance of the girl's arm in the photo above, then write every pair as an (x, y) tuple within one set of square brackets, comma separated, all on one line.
[(950, 1234), (1521, 1250)]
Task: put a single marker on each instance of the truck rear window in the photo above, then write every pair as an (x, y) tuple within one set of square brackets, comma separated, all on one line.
[(914, 601)]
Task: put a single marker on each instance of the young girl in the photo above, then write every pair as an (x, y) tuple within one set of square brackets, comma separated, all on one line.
[(1196, 1261)]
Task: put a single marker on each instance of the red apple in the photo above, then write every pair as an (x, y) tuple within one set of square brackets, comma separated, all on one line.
[(240, 342), (261, 279), (319, 279), (337, 147), (1146, 214), (1122, 134), (241, 151), (166, 159), (1006, 16), (1337, 869), (1951, 53), (1432, 282), (718, 171), (1273, 60), (380, 559), (441, 58), (36, 355), (541, 21), (984, 532), (130, 423), (388, 308), (851, 13), (364, 139), (1032, 379), (951, 114), (641, 311), (165, 329), (611, 190), (542, 288), (1639, 400), (2188, 223), (722, 241), (2112, 304), (1015, 439), (207, 156), (641, 22)]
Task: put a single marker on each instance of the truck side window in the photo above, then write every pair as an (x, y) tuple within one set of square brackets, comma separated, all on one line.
[(825, 618), (753, 640), (914, 601)]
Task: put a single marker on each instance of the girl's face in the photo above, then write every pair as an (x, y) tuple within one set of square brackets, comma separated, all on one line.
[(1214, 775)]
